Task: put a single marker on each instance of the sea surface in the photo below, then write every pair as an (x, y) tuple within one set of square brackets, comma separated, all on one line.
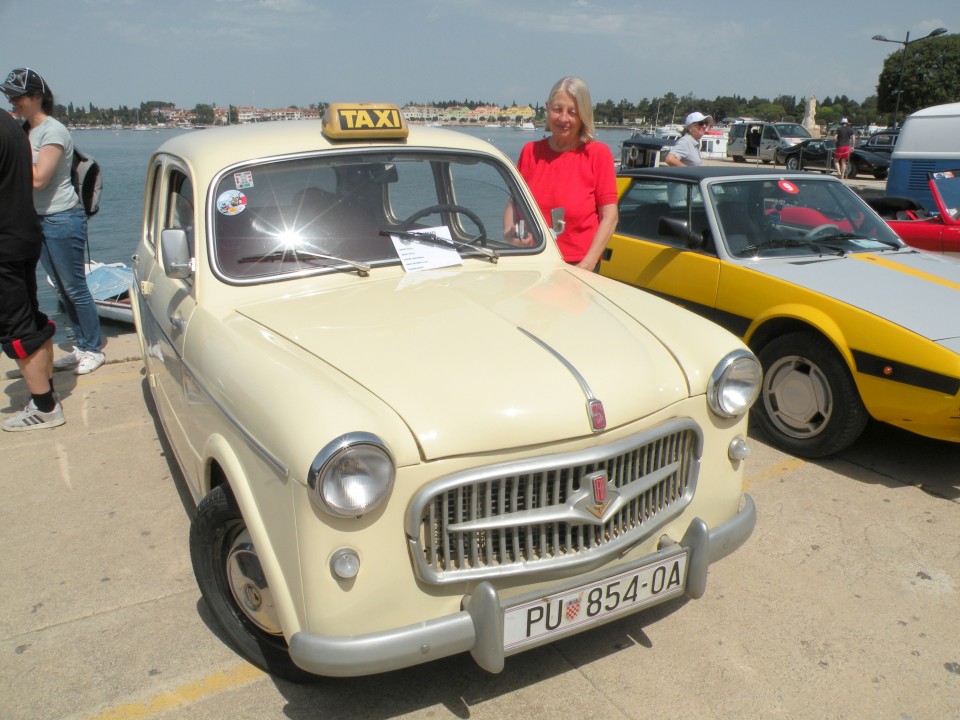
[(124, 155)]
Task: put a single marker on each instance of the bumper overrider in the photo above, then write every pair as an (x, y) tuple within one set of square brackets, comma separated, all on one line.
[(479, 626)]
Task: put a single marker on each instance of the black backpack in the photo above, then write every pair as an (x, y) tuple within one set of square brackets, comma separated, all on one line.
[(85, 175)]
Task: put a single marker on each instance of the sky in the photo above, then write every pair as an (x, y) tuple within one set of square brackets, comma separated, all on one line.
[(275, 53)]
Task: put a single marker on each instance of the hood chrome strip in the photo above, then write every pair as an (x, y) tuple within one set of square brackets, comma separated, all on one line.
[(595, 411)]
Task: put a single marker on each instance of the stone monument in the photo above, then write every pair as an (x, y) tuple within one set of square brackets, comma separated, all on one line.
[(809, 117)]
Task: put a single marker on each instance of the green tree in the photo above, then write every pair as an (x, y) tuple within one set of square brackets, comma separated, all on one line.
[(204, 114), (930, 75)]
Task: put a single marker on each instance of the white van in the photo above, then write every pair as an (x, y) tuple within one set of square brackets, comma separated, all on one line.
[(756, 140), (929, 141)]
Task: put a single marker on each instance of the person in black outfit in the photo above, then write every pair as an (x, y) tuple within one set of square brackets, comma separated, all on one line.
[(841, 156), (26, 334)]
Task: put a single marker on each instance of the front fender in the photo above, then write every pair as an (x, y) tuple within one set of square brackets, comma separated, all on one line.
[(254, 506)]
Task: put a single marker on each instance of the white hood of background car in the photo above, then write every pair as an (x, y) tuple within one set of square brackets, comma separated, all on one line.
[(448, 357), (917, 291)]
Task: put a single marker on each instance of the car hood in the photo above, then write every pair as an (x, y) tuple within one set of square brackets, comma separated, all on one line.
[(915, 290), (475, 361)]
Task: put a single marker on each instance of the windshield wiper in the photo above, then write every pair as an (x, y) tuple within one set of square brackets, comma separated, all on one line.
[(492, 255), (363, 270), (795, 242)]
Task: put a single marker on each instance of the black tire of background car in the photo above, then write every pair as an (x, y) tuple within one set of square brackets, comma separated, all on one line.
[(847, 417), (852, 169), (215, 526), (793, 163)]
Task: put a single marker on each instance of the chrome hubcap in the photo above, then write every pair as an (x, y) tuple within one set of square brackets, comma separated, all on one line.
[(249, 586), (797, 397)]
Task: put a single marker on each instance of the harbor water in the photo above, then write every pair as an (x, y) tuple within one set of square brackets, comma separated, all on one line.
[(123, 156)]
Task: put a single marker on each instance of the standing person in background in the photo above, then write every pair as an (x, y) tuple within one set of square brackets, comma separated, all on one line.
[(25, 332), (686, 151), (569, 169), (62, 216), (841, 156)]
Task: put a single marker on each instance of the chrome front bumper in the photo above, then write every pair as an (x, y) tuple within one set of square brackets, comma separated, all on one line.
[(479, 629)]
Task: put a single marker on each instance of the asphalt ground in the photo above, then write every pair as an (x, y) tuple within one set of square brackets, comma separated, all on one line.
[(843, 604)]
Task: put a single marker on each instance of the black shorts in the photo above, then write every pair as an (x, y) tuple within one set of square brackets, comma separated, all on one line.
[(23, 328)]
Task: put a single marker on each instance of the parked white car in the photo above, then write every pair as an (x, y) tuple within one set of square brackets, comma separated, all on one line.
[(407, 437)]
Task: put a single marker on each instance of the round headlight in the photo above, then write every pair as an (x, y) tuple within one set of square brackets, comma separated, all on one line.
[(734, 384), (352, 475)]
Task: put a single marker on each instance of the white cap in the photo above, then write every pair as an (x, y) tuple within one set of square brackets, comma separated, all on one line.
[(844, 121), (696, 117)]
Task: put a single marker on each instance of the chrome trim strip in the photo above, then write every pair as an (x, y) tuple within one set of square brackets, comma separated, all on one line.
[(591, 398), (257, 447), (566, 363)]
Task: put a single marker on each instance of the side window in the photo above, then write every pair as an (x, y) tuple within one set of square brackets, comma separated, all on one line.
[(770, 133), (179, 202), (178, 206), (643, 205), (150, 228)]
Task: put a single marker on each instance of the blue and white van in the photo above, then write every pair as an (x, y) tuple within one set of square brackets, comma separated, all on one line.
[(929, 141)]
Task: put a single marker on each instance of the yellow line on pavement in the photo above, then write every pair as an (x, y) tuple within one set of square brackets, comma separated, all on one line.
[(184, 695), (773, 471)]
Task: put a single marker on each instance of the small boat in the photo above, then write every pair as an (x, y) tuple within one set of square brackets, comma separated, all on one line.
[(109, 284)]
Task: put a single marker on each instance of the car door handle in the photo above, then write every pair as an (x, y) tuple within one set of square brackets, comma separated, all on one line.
[(178, 322)]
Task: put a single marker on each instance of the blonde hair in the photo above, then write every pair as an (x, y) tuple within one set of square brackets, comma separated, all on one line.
[(577, 89)]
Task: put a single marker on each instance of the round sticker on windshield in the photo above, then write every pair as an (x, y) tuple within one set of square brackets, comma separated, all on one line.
[(231, 202), (788, 187)]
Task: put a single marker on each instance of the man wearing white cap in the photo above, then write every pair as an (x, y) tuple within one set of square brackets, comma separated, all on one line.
[(841, 156), (686, 151)]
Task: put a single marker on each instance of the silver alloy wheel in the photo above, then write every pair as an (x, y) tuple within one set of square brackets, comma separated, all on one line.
[(797, 397), (249, 586)]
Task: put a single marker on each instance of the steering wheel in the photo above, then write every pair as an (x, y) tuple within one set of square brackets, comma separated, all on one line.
[(821, 228), (447, 207)]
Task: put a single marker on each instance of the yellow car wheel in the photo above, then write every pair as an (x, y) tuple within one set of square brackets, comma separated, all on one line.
[(809, 405)]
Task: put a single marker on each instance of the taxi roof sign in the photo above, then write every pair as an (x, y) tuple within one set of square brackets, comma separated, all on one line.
[(364, 121)]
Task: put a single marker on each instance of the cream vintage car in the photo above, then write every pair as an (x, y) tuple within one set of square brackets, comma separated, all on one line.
[(408, 438)]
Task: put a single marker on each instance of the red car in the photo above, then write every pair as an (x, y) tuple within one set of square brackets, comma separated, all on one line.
[(937, 232)]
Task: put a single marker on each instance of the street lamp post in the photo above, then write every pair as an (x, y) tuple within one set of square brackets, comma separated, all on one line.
[(903, 62)]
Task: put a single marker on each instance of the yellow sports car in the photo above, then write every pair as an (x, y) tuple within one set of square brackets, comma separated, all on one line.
[(848, 322)]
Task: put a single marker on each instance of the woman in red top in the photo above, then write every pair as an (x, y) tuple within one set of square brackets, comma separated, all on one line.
[(571, 170)]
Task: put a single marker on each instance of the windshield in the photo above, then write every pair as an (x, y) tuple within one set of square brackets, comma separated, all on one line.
[(801, 216), (792, 130), (334, 212), (947, 184)]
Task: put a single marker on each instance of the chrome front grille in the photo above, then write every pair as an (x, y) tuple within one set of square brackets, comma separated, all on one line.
[(542, 514)]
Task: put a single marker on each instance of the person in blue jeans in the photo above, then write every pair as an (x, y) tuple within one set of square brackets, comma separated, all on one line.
[(62, 218)]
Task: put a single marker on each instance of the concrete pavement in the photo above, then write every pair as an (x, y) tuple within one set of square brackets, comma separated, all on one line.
[(842, 605)]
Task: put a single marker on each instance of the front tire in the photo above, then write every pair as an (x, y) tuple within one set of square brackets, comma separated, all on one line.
[(793, 163), (233, 586), (851, 170), (809, 405)]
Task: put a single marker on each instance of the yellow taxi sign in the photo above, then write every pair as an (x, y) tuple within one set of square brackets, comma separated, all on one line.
[(363, 121)]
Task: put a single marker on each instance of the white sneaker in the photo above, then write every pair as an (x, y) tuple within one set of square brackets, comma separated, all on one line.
[(30, 418), (67, 361), (89, 361)]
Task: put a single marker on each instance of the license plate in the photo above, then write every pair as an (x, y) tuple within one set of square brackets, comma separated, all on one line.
[(563, 613)]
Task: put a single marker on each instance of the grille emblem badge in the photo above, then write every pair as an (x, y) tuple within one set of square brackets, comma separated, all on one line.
[(599, 482)]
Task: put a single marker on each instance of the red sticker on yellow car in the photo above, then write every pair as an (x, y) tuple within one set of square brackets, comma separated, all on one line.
[(788, 187), (231, 202)]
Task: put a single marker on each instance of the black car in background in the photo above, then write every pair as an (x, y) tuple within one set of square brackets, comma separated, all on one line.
[(817, 154), (881, 142)]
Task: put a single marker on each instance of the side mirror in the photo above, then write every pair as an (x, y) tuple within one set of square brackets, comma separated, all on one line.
[(175, 253), (677, 229), (557, 222)]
